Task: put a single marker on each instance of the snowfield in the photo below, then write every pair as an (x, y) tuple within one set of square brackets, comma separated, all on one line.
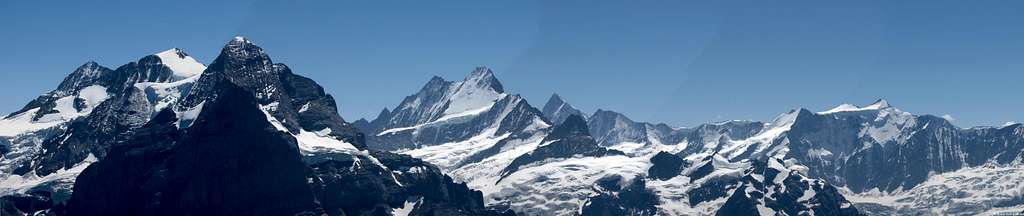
[(983, 190)]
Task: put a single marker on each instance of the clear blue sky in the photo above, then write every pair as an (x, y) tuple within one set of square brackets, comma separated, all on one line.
[(678, 62)]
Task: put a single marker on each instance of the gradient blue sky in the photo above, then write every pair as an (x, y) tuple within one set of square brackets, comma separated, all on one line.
[(678, 62)]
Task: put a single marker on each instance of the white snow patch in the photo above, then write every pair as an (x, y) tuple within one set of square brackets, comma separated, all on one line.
[(469, 95), (189, 115), (881, 104), (948, 117), (12, 184), (310, 141), (561, 186), (819, 152), (627, 147), (162, 95), (65, 106), (442, 120), (407, 207), (93, 95), (968, 191), (183, 66), (22, 123), (450, 154), (808, 194)]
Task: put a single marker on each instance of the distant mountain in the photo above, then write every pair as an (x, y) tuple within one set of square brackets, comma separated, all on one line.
[(243, 136), (557, 110), (573, 175), (444, 111)]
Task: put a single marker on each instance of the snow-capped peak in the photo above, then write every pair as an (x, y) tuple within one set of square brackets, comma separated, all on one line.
[(89, 69), (180, 63), (478, 91), (877, 105), (241, 39)]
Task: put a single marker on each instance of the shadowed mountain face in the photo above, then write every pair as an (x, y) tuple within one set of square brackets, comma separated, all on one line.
[(557, 110), (299, 102), (231, 161), (235, 141)]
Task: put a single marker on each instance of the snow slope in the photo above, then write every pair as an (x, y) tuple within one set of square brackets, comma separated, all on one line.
[(983, 190), (183, 65)]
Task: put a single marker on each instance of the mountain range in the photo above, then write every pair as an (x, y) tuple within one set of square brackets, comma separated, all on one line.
[(168, 135)]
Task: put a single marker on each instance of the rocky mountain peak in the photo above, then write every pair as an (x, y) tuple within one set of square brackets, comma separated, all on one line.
[(483, 78), (557, 110), (242, 50), (83, 76)]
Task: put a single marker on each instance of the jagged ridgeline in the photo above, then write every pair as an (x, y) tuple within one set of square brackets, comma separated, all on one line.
[(872, 159), (167, 135), (243, 136)]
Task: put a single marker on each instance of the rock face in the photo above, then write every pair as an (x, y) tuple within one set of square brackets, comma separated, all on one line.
[(665, 165), (557, 110), (231, 161), (95, 134), (299, 102)]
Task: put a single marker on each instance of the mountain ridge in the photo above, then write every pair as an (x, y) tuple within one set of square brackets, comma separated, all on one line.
[(460, 148)]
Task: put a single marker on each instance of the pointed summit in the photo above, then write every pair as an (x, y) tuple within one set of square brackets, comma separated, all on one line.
[(557, 110), (435, 84), (89, 73), (241, 50), (483, 77), (478, 91), (878, 104), (384, 114), (90, 69), (555, 97)]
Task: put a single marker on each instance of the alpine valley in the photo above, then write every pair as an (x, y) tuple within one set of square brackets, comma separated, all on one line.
[(243, 135)]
